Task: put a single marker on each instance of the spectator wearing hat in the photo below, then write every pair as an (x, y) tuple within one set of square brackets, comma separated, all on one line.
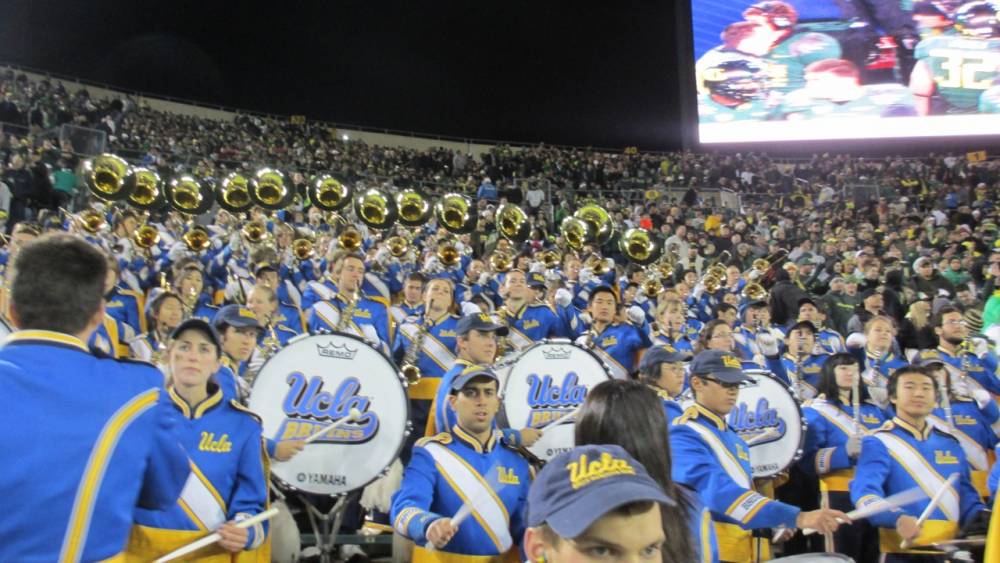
[(928, 280), (711, 458), (662, 369), (915, 330), (785, 297), (470, 461), (871, 305), (840, 302), (595, 496)]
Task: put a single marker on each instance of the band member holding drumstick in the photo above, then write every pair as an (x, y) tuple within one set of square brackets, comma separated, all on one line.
[(711, 458), (832, 446), (618, 344), (595, 502), (625, 413), (223, 440), (88, 438), (907, 452), (468, 471), (662, 369)]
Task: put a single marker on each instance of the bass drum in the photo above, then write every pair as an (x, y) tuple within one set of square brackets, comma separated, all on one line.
[(314, 382), (548, 380), (769, 420)]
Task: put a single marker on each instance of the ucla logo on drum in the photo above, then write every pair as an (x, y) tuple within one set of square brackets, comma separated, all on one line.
[(548, 401), (760, 425), (308, 408)]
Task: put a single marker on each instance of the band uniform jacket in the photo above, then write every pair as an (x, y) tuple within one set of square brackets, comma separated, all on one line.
[(369, 311), (711, 458), (982, 371), (977, 430), (829, 426), (435, 358), (619, 345), (127, 306), (227, 482), (88, 440), (533, 322), (897, 457), (445, 472)]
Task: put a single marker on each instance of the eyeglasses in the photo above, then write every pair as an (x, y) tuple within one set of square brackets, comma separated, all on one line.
[(956, 322)]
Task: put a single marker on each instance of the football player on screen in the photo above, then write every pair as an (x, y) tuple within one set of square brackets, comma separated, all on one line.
[(735, 92), (953, 71), (833, 88), (935, 17)]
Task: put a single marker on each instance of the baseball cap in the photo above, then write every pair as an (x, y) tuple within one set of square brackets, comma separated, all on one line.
[(201, 325), (723, 366), (479, 321), (664, 353), (470, 373), (236, 316), (578, 487), (870, 291), (264, 267), (536, 280)]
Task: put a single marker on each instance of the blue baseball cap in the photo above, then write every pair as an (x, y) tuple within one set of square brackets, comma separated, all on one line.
[(536, 280), (723, 366), (479, 321), (659, 354), (236, 316), (578, 487), (202, 326), (470, 373)]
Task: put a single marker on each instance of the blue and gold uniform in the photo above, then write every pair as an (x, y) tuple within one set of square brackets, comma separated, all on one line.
[(876, 370), (228, 481), (982, 371), (671, 408), (447, 470), (711, 458), (806, 372), (404, 311), (436, 357), (112, 338), (682, 341), (533, 322), (370, 312), (977, 430), (127, 306), (444, 416), (619, 345), (897, 457), (113, 446)]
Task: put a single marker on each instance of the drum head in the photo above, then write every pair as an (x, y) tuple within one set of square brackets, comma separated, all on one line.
[(316, 381), (547, 381), (770, 421)]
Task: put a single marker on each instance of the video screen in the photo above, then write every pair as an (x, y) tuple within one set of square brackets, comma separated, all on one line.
[(793, 70)]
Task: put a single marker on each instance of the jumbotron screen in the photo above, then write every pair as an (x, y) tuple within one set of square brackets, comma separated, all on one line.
[(797, 70)]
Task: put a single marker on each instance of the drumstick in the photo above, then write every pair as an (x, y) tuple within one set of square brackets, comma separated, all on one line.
[(564, 418), (888, 503), (353, 415), (936, 500), (214, 537), (762, 436), (466, 509)]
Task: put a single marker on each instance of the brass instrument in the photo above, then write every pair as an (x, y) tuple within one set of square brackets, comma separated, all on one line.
[(303, 249), (761, 266), (146, 237), (270, 189), (350, 239), (946, 400), (90, 220), (145, 189), (652, 286), (512, 223), (602, 227), (233, 194), (456, 214), (552, 259), (398, 246), (503, 345), (376, 209), (329, 193), (347, 315), (189, 195), (639, 246), (753, 291), (410, 370), (448, 254), (596, 264), (576, 232), (254, 232), (105, 176), (414, 208), (715, 274), (197, 239), (501, 261)]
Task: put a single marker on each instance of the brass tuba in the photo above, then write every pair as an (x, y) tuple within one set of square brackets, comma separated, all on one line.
[(105, 176), (329, 193), (196, 239), (303, 249), (254, 232), (189, 195), (639, 246), (375, 208), (145, 189), (512, 223), (602, 227), (233, 194), (270, 189), (576, 232), (414, 208), (455, 213)]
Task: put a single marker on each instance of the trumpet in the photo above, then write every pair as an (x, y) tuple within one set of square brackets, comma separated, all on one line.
[(448, 254), (346, 316), (501, 261), (552, 259), (197, 239), (753, 291), (91, 220), (715, 274), (761, 266), (596, 264), (398, 246), (254, 232), (146, 237), (350, 239)]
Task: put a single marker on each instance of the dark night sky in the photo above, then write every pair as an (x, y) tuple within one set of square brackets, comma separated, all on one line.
[(550, 71)]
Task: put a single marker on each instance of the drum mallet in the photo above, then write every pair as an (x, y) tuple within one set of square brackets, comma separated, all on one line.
[(214, 537), (888, 503), (938, 496), (351, 417), (564, 418)]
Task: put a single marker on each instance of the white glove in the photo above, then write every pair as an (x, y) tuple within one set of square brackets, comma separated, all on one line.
[(880, 395), (586, 276), (609, 264), (552, 275), (636, 315), (982, 397), (586, 319), (980, 347), (484, 278), (370, 335), (853, 446), (288, 259), (698, 290), (563, 297), (381, 255), (470, 308), (127, 249), (235, 241), (178, 251), (768, 344), (856, 340), (640, 298), (536, 268)]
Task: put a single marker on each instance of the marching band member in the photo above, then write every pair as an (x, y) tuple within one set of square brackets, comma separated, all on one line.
[(117, 445), (908, 451), (670, 325), (471, 464), (190, 286), (228, 482), (972, 358), (163, 313), (369, 317), (832, 446), (716, 335), (290, 313), (753, 337), (625, 413), (265, 305), (618, 344), (662, 369), (238, 329), (124, 304), (830, 341), (973, 421), (874, 350), (712, 459), (527, 318), (802, 365), (22, 234), (430, 343), (412, 304), (595, 502), (112, 338)]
